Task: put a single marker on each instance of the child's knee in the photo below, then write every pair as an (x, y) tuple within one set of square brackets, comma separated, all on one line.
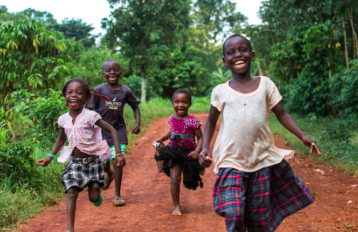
[(175, 179), (94, 197), (72, 194)]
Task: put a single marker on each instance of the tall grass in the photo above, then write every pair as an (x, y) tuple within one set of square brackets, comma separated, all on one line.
[(340, 154)]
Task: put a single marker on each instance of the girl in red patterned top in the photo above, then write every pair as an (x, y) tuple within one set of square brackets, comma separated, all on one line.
[(181, 154)]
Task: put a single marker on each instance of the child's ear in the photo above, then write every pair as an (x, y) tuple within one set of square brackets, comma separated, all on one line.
[(224, 61), (253, 56)]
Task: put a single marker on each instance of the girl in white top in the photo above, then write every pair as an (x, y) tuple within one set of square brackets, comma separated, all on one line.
[(86, 150), (255, 187)]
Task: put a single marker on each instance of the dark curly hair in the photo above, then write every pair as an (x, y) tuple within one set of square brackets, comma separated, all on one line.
[(86, 88), (236, 35), (181, 91)]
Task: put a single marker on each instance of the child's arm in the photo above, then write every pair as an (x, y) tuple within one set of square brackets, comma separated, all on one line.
[(136, 127), (199, 135), (118, 160), (209, 130), (162, 138), (58, 144), (289, 123)]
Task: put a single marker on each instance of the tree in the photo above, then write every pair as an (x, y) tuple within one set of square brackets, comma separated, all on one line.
[(32, 56), (70, 28), (134, 24), (76, 29)]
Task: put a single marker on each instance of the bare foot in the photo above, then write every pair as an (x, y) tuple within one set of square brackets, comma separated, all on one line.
[(177, 211)]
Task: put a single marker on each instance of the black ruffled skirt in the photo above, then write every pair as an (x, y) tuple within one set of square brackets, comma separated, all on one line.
[(167, 158)]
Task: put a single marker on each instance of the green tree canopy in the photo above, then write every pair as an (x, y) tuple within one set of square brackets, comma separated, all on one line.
[(32, 57)]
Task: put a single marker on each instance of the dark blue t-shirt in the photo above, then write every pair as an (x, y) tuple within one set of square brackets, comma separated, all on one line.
[(112, 110)]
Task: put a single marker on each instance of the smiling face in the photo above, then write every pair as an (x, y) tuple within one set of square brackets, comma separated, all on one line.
[(112, 72), (238, 56), (75, 96), (181, 104)]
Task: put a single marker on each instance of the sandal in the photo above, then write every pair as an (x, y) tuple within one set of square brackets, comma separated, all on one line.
[(118, 201), (107, 181)]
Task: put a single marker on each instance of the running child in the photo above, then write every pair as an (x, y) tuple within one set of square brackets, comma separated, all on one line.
[(255, 188), (112, 112), (85, 151), (181, 154)]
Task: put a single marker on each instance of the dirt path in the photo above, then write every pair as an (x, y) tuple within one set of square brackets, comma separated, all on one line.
[(149, 203)]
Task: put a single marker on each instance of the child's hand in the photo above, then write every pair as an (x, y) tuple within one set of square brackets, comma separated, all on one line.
[(205, 158), (44, 162), (136, 129), (120, 161), (311, 144), (193, 154), (155, 142)]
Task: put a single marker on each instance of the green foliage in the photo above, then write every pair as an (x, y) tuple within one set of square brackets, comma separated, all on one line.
[(16, 165), (344, 90), (32, 57), (174, 70), (326, 131), (88, 65), (340, 130), (42, 110), (77, 30), (137, 25)]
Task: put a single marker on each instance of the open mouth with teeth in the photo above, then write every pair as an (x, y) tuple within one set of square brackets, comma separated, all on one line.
[(239, 63), (73, 102), (112, 78)]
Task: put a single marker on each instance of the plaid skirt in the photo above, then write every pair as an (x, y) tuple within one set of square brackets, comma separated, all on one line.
[(81, 172), (261, 200)]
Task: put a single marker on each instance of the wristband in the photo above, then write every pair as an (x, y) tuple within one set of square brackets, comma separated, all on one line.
[(119, 154), (53, 156)]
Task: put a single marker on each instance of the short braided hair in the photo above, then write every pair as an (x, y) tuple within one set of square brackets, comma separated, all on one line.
[(81, 81), (181, 91), (236, 35)]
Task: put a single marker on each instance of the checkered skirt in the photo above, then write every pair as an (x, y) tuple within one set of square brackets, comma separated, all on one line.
[(261, 200), (81, 172)]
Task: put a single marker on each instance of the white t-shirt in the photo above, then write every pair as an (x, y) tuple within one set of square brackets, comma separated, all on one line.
[(245, 141)]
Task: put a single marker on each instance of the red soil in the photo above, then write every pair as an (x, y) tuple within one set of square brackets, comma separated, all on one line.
[(149, 203)]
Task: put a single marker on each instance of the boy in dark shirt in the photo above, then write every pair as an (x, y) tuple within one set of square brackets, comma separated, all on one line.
[(112, 112)]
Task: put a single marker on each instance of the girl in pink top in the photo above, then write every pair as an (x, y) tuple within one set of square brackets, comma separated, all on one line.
[(86, 150), (181, 154)]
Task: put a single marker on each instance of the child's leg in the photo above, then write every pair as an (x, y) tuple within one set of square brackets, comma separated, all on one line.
[(175, 179), (72, 194), (107, 169), (93, 194), (118, 172)]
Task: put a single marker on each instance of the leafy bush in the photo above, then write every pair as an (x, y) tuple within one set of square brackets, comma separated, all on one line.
[(344, 90), (16, 162), (42, 110)]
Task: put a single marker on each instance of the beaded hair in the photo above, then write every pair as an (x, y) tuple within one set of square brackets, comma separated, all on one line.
[(87, 89)]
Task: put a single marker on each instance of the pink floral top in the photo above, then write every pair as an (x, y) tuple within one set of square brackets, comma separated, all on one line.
[(84, 135), (183, 126)]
